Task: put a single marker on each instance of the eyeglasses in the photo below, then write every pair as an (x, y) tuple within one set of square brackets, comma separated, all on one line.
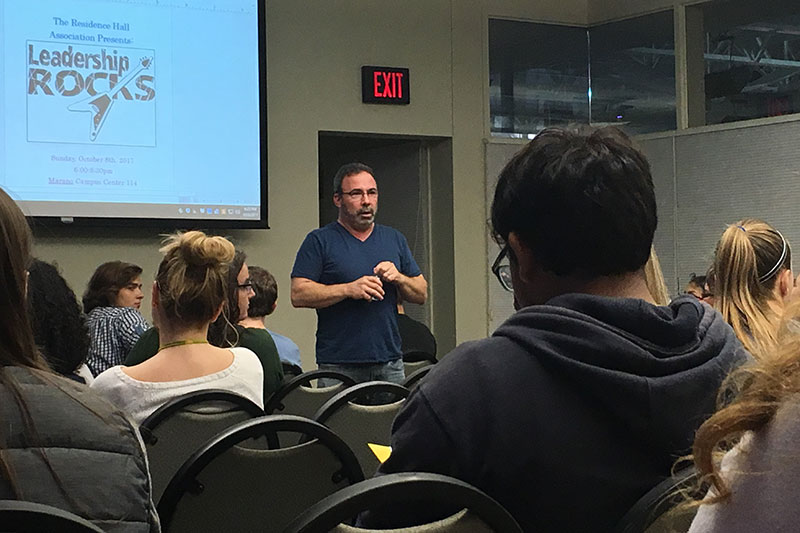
[(503, 272), (246, 286), (356, 194)]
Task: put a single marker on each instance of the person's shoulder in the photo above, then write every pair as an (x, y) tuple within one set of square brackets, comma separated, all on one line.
[(472, 362), (78, 405), (326, 231), (130, 313), (251, 333), (108, 379), (277, 337), (125, 313), (245, 357), (256, 339), (389, 232)]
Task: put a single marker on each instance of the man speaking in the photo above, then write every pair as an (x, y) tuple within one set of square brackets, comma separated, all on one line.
[(350, 271)]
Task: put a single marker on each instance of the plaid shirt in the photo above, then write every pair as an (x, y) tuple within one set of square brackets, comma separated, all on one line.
[(113, 331)]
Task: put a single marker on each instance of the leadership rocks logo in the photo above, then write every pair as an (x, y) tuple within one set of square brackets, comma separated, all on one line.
[(90, 94)]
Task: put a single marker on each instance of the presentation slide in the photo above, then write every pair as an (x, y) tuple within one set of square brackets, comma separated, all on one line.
[(132, 108)]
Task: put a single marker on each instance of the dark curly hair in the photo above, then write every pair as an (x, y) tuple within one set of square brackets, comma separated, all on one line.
[(59, 326)]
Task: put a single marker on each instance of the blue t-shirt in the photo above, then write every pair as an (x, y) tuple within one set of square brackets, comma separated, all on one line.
[(355, 331), (288, 352)]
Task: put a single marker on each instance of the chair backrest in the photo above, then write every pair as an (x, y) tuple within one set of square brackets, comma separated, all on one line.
[(659, 510), (178, 428), (225, 486), (413, 361), (482, 512), (298, 397), (360, 425), (413, 379), (28, 517)]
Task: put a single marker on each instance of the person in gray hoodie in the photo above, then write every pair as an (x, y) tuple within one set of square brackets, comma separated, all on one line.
[(581, 401)]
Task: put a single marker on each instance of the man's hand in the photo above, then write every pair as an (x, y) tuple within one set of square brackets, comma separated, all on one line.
[(366, 288), (387, 272)]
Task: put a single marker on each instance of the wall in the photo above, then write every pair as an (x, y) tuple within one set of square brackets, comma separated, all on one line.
[(315, 51)]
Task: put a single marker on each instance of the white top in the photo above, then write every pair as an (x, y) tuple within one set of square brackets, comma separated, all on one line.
[(762, 473), (244, 376)]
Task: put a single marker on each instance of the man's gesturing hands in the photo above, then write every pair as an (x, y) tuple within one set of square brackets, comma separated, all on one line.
[(371, 287), (387, 272), (366, 288)]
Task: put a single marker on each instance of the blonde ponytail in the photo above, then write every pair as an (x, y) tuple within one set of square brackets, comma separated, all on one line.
[(748, 258)]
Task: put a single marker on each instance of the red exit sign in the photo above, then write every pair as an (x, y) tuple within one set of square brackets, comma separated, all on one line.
[(385, 85)]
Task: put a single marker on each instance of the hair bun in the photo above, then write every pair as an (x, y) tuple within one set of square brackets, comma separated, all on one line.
[(198, 249)]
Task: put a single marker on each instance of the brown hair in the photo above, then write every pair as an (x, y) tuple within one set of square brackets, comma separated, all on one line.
[(224, 332), (762, 388), (17, 347), (749, 257), (106, 283), (266, 292), (192, 277)]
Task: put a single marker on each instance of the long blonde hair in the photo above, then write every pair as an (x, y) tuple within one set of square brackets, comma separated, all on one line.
[(761, 389), (749, 257), (654, 279)]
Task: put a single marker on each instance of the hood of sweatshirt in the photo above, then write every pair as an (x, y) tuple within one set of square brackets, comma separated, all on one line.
[(655, 369)]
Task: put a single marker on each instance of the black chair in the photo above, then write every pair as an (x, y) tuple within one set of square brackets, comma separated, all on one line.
[(28, 517), (179, 427), (482, 512), (659, 510), (225, 486), (360, 425), (413, 361), (413, 380), (298, 397)]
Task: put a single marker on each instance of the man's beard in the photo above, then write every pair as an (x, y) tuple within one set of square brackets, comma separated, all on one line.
[(362, 223)]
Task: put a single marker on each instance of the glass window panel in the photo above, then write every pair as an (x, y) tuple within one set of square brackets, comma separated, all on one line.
[(752, 59), (538, 76), (633, 73)]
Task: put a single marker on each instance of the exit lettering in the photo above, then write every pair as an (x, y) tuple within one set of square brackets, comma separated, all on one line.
[(388, 84), (385, 85)]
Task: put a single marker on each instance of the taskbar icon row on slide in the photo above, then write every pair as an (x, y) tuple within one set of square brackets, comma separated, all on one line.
[(193, 211)]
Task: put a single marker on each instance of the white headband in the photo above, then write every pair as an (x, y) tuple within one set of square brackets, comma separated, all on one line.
[(777, 266)]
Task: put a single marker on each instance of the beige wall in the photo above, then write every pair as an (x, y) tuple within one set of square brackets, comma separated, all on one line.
[(315, 51)]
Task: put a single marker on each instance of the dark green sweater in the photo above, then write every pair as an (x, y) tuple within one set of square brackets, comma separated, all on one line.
[(257, 340)]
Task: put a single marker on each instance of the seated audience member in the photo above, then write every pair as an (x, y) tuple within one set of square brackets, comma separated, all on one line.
[(60, 444), (262, 304), (188, 295), (654, 279), (582, 400), (59, 326), (754, 486), (697, 287), (414, 335), (111, 303), (753, 282), (224, 331)]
